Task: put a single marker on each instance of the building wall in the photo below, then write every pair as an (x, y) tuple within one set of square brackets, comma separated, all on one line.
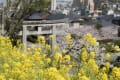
[(53, 4), (82, 4)]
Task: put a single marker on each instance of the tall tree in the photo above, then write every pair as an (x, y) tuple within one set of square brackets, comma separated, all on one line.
[(17, 10)]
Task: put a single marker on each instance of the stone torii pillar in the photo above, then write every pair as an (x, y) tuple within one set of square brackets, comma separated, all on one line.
[(25, 33), (54, 36), (25, 36)]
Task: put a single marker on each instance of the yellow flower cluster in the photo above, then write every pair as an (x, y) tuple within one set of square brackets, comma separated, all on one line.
[(41, 39), (84, 55), (48, 47), (51, 37), (40, 64), (92, 54), (63, 51), (68, 40), (56, 48), (16, 64), (116, 48), (107, 55), (88, 39), (115, 74)]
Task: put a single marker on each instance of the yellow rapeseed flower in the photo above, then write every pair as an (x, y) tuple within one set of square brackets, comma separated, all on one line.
[(115, 74), (5, 65), (38, 49), (56, 48), (107, 65), (116, 48), (2, 77), (66, 58), (92, 54), (41, 39), (82, 72), (83, 78), (32, 47), (84, 56), (28, 49), (68, 38), (103, 69), (107, 55), (102, 76), (89, 35), (11, 79), (48, 47), (63, 51), (57, 57), (51, 37), (48, 60)]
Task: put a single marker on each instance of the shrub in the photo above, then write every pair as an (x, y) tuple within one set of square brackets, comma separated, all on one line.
[(82, 22), (116, 42), (73, 36), (32, 38), (108, 47), (98, 26), (14, 37), (119, 32)]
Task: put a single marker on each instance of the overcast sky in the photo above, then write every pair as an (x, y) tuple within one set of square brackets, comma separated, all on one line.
[(2, 0)]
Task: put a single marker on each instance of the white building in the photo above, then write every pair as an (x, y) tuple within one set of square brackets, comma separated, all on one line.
[(64, 6), (53, 4), (110, 12), (84, 4)]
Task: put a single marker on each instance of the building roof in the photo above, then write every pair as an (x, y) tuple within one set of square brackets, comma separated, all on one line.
[(45, 15), (116, 18), (35, 16)]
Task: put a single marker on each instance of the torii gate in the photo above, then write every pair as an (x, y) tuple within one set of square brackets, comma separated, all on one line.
[(40, 25)]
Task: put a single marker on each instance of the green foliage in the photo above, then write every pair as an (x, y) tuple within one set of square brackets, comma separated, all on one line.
[(14, 37), (115, 61), (119, 32), (13, 21), (116, 42), (32, 38), (40, 5), (73, 36), (82, 22), (117, 64), (98, 26), (108, 47)]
